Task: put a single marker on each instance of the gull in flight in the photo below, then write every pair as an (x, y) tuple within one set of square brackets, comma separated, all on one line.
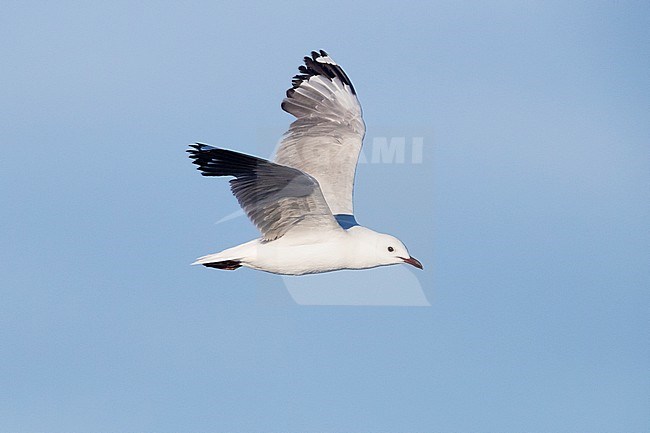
[(302, 202)]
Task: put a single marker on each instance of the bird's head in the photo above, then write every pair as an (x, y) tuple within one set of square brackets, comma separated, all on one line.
[(391, 251)]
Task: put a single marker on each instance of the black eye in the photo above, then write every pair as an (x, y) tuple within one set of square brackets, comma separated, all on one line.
[(391, 249)]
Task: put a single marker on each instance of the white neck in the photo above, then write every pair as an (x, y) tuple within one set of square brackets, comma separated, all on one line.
[(361, 252)]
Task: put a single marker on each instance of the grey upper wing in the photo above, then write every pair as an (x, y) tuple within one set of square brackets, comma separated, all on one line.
[(275, 197), (326, 138)]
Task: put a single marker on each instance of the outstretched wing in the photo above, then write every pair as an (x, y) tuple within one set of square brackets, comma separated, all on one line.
[(275, 197), (325, 139)]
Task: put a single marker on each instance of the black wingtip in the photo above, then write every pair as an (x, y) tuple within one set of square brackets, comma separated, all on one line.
[(215, 161), (314, 67), (198, 147), (319, 53)]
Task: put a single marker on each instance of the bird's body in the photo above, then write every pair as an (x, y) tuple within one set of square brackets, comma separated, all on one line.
[(302, 202), (290, 255)]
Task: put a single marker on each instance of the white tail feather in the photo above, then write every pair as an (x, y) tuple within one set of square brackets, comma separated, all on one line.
[(237, 253), (210, 258)]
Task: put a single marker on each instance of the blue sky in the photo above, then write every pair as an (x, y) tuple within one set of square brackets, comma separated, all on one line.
[(530, 212)]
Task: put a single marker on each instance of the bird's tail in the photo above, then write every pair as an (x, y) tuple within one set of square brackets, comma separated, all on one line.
[(229, 259), (217, 261)]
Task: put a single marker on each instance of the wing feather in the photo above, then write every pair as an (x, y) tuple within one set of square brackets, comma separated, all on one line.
[(325, 139), (276, 198)]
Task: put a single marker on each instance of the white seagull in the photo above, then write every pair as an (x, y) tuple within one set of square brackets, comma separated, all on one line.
[(302, 202)]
